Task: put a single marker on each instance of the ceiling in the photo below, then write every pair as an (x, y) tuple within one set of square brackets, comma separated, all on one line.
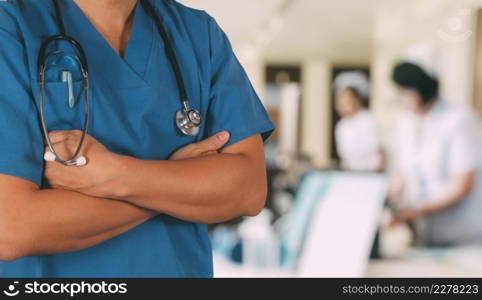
[(288, 30)]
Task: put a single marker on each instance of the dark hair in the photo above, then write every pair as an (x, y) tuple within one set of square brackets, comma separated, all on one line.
[(412, 76)]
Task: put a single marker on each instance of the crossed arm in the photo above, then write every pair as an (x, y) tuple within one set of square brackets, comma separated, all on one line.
[(460, 187), (114, 193)]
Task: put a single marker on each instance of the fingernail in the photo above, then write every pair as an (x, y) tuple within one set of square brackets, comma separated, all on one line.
[(223, 136)]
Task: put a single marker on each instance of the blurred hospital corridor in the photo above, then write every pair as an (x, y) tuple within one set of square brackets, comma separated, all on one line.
[(375, 167)]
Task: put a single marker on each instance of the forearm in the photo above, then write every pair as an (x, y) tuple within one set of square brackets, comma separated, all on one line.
[(456, 192), (202, 187), (76, 244), (441, 203), (55, 221), (207, 189)]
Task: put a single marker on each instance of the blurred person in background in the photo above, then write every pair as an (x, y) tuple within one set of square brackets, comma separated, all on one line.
[(356, 134), (434, 186)]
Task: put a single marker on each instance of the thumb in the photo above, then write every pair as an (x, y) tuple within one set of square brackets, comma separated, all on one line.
[(215, 142)]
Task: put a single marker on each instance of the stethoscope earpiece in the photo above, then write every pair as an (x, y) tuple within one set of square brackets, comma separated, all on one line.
[(79, 161), (49, 156)]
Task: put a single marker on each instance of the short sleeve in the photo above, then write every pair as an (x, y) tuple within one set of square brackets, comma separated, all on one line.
[(234, 105), (21, 141), (465, 147)]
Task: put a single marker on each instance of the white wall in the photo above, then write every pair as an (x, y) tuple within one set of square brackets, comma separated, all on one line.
[(316, 113)]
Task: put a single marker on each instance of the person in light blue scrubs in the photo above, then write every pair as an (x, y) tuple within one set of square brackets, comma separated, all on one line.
[(140, 206)]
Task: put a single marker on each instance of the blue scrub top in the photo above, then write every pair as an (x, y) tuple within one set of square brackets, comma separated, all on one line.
[(133, 105)]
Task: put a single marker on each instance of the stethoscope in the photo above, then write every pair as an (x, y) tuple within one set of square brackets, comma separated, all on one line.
[(188, 120)]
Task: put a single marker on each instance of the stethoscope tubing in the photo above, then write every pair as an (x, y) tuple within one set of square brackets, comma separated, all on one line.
[(76, 159), (188, 120)]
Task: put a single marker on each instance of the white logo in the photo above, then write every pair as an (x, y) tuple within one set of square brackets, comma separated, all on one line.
[(11, 292), (454, 30)]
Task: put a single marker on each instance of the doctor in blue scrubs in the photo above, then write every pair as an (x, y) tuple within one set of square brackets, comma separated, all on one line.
[(140, 205)]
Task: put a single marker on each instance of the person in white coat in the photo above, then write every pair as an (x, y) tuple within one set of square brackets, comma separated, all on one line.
[(435, 183), (357, 135)]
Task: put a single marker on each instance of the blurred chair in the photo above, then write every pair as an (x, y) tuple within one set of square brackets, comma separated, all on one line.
[(333, 224), (312, 188)]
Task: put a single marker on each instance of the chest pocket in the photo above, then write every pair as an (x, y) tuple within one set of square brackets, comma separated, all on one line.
[(64, 106)]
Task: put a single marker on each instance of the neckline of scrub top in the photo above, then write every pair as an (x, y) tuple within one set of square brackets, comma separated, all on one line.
[(109, 68)]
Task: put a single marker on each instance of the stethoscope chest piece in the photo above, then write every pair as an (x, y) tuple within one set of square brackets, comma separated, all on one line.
[(188, 121)]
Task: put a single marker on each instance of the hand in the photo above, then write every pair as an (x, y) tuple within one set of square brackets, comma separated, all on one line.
[(405, 216), (90, 179), (102, 167), (208, 146)]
